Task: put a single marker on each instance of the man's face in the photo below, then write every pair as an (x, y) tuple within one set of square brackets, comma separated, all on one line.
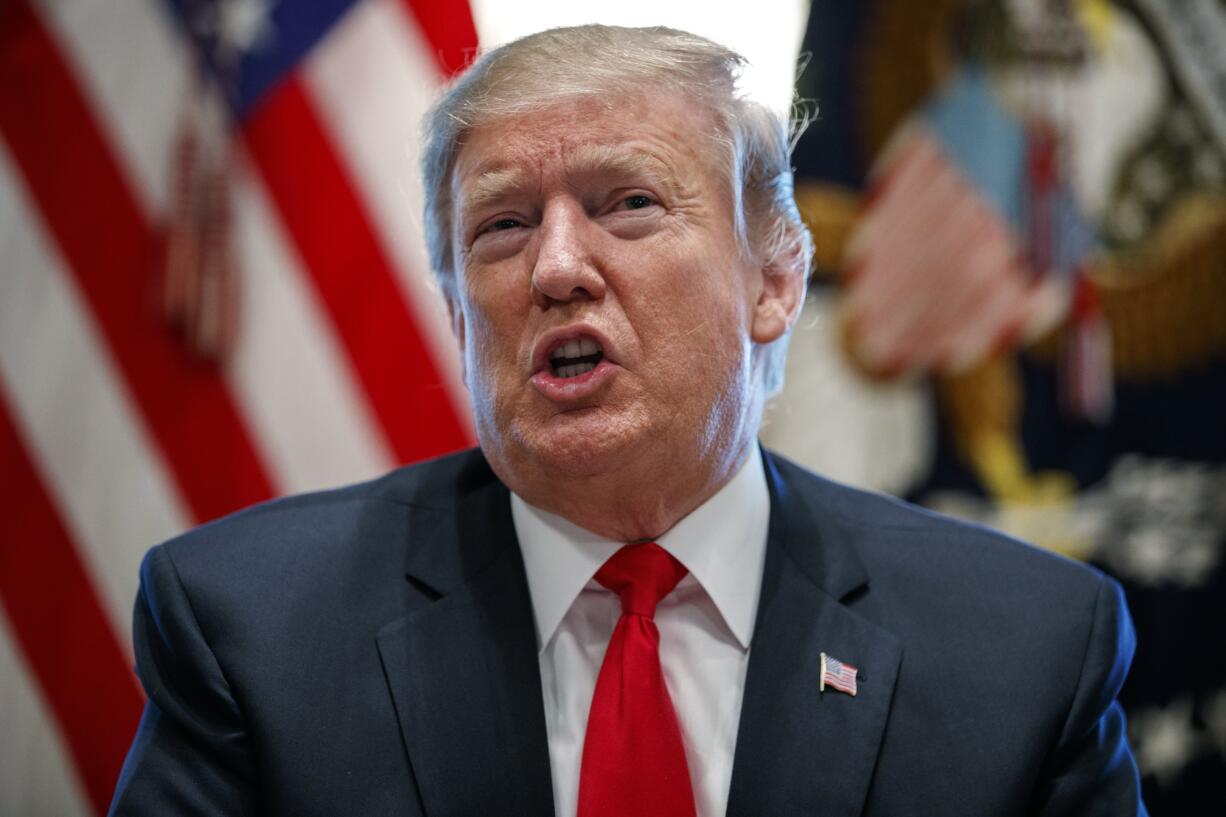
[(604, 310)]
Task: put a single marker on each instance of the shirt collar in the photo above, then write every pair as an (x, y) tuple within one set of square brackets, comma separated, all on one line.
[(722, 543)]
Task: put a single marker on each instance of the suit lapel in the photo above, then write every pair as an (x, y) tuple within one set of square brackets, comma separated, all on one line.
[(462, 666), (800, 751)]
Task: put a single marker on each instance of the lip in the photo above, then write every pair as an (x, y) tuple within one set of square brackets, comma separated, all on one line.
[(569, 389), (556, 337)]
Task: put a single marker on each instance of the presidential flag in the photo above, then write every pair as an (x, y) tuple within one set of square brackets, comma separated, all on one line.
[(215, 291)]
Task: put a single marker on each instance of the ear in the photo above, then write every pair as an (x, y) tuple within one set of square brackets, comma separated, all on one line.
[(781, 296)]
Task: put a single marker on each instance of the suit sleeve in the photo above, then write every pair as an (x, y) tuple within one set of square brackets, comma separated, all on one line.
[(191, 753), (1092, 771)]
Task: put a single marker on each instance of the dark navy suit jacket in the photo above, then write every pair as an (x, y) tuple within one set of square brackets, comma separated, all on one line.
[(371, 651)]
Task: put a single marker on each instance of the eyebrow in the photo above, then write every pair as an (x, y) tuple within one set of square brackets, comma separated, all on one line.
[(493, 185), (619, 160)]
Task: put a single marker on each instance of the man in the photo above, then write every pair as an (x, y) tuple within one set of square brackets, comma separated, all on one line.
[(619, 605)]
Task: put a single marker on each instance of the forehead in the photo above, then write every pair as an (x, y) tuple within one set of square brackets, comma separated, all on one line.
[(665, 138)]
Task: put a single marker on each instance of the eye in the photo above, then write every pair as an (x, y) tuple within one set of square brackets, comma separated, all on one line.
[(503, 224), (501, 232), (638, 201)]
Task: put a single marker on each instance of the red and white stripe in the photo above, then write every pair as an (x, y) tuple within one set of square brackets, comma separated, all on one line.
[(112, 437)]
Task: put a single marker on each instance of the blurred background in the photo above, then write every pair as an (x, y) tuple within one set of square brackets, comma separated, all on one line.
[(213, 291)]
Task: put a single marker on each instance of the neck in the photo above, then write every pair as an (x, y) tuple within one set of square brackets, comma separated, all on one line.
[(627, 505)]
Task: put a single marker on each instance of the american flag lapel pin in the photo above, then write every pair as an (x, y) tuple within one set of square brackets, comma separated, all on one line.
[(837, 675)]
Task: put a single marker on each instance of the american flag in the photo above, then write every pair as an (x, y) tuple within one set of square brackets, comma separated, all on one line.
[(938, 276), (837, 675), (215, 291)]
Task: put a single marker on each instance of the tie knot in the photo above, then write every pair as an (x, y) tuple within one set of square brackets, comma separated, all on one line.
[(641, 574)]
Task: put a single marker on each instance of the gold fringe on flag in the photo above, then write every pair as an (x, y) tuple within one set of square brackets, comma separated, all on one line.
[(1165, 301)]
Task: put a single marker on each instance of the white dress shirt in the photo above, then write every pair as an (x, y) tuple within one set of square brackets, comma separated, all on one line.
[(705, 625)]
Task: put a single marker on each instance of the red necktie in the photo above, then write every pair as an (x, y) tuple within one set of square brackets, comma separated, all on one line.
[(633, 755)]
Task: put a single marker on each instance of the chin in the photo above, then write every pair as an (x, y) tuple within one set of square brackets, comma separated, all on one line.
[(585, 445), (581, 457)]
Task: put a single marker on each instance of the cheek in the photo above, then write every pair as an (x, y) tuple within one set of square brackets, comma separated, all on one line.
[(712, 326), (485, 376), (483, 354), (494, 322), (699, 309)]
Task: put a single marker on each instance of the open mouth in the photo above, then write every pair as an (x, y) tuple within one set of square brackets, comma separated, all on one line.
[(575, 357)]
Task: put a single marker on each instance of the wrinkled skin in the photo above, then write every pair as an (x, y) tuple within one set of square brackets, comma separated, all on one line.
[(614, 222)]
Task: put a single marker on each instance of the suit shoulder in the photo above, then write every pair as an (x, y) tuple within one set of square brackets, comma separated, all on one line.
[(896, 536), (310, 522), (961, 594)]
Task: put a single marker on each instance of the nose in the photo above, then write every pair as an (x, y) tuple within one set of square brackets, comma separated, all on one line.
[(565, 268)]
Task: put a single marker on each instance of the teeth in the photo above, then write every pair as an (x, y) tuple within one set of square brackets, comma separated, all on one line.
[(575, 348), (575, 369)]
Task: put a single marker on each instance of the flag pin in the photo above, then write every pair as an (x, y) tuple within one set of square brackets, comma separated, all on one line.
[(837, 675)]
